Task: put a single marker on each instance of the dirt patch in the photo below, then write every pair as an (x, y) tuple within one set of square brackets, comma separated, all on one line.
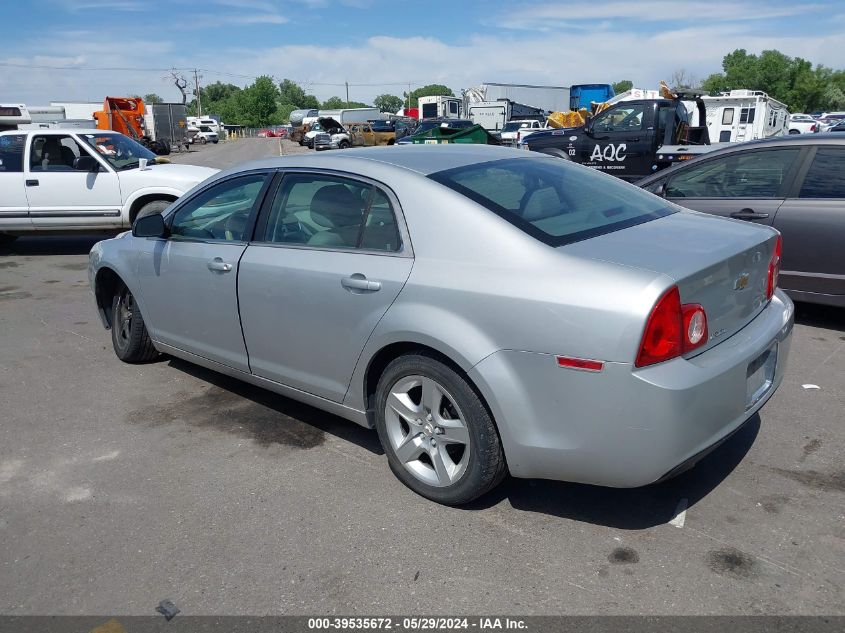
[(221, 410), (811, 447), (8, 264), (773, 504), (815, 479), (623, 556), (729, 561), (80, 266), (8, 296)]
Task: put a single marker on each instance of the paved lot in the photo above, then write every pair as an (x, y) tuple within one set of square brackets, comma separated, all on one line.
[(124, 485)]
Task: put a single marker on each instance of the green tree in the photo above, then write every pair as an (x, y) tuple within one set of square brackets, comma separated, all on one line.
[(428, 91), (333, 103), (388, 103), (291, 94), (622, 86), (260, 103), (153, 98)]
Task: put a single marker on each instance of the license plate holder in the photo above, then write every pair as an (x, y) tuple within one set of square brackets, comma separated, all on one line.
[(760, 375)]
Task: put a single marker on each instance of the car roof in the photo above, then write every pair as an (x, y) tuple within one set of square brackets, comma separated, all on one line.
[(422, 158), (824, 138)]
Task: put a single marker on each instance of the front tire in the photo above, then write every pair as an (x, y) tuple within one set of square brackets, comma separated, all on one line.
[(203, 140), (156, 206), (438, 436), (343, 145), (791, 132), (129, 336)]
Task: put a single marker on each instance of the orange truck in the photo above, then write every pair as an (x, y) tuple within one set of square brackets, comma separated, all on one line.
[(126, 115)]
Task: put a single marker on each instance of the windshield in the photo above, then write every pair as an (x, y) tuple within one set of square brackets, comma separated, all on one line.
[(552, 200), (121, 152)]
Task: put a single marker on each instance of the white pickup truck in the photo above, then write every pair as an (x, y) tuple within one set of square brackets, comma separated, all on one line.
[(515, 131), (60, 180)]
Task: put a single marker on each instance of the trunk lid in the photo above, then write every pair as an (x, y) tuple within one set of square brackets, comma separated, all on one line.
[(719, 263)]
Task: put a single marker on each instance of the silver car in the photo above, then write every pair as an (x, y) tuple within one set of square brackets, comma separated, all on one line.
[(487, 310)]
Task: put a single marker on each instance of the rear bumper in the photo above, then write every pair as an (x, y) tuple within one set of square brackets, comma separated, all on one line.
[(626, 427)]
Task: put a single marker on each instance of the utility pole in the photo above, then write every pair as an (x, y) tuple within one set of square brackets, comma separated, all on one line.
[(347, 94), (197, 92), (409, 96)]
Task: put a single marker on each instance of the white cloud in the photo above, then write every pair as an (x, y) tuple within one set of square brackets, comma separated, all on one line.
[(553, 58), (547, 16)]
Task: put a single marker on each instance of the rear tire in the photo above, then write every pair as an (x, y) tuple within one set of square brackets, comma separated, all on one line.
[(438, 436), (794, 132), (131, 342)]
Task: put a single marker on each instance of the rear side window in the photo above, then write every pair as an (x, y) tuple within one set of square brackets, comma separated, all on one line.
[(824, 179), (553, 200), (759, 174), (332, 212), (11, 152)]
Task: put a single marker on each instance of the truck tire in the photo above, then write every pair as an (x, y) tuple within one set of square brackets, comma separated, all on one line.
[(557, 153), (203, 140), (343, 145), (156, 206)]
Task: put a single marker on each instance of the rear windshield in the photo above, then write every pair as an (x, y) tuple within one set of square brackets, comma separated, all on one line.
[(553, 200)]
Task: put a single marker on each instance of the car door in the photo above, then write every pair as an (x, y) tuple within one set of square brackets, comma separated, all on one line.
[(812, 221), (60, 196), (743, 184), (189, 279), (14, 209), (618, 141), (331, 258)]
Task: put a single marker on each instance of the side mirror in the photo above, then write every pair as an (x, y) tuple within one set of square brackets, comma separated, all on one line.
[(149, 226), (86, 163), (661, 190)]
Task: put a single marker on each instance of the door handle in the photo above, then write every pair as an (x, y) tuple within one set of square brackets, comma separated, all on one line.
[(360, 282), (749, 214), (32, 183), (218, 265)]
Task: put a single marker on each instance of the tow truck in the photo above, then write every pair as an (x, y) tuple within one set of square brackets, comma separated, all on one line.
[(632, 137)]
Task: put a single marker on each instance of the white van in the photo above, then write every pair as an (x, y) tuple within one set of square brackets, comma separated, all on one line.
[(199, 121)]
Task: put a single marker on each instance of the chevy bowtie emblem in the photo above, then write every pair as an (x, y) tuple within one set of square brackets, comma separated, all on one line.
[(742, 281)]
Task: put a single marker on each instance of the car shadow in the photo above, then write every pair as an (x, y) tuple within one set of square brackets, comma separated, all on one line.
[(306, 414), (627, 508), (815, 315), (53, 244)]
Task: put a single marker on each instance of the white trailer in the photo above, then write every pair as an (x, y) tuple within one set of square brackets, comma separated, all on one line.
[(745, 115), (79, 109), (494, 115), (346, 116), (439, 106), (547, 98)]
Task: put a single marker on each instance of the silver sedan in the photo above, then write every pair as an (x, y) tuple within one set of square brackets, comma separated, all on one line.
[(487, 311)]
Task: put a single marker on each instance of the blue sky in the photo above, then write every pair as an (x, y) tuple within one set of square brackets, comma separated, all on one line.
[(378, 46)]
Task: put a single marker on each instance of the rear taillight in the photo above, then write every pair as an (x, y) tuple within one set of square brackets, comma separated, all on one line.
[(813, 127), (774, 268), (672, 329)]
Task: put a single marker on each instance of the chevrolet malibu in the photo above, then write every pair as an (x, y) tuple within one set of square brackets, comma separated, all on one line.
[(487, 311)]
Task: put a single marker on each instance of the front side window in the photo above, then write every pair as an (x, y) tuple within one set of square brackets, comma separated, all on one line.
[(728, 116), (759, 174), (621, 119), (53, 152), (552, 200), (120, 151), (221, 212), (824, 179), (11, 152), (332, 212)]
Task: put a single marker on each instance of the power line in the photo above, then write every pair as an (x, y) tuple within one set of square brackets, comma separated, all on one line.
[(205, 70)]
